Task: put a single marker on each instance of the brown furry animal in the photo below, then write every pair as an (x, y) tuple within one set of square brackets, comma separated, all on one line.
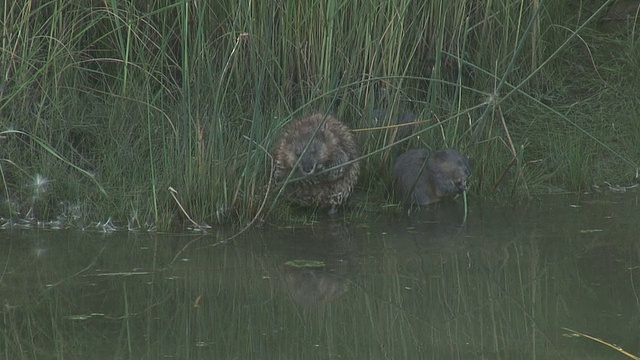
[(307, 153), (420, 178)]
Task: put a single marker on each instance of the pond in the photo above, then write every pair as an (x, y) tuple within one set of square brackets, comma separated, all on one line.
[(508, 284)]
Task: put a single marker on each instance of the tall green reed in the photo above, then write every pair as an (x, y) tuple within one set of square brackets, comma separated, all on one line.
[(188, 95)]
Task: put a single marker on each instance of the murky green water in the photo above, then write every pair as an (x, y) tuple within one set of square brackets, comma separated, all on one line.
[(398, 287)]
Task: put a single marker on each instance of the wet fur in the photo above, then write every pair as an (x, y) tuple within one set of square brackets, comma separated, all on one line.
[(306, 153), (420, 179)]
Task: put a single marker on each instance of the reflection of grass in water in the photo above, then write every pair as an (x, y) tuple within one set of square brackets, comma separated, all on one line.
[(479, 303), (449, 301), (305, 264)]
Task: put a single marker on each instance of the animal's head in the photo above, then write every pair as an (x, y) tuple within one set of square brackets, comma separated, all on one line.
[(460, 180), (309, 152), (454, 168)]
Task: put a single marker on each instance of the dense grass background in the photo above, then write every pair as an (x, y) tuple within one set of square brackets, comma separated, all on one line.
[(105, 105)]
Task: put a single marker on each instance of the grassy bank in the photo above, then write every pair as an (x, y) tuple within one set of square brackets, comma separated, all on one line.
[(105, 107)]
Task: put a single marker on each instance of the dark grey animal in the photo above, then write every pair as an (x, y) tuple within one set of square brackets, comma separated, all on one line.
[(403, 117), (306, 149), (420, 178)]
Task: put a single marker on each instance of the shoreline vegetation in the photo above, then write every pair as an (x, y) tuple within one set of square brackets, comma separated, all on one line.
[(154, 115)]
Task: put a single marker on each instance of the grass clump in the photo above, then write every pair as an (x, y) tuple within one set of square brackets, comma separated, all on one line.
[(133, 98)]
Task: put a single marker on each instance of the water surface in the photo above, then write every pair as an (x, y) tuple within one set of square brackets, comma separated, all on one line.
[(398, 286)]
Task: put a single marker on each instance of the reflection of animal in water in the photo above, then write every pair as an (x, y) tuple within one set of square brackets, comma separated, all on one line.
[(316, 150), (420, 178), (313, 286)]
